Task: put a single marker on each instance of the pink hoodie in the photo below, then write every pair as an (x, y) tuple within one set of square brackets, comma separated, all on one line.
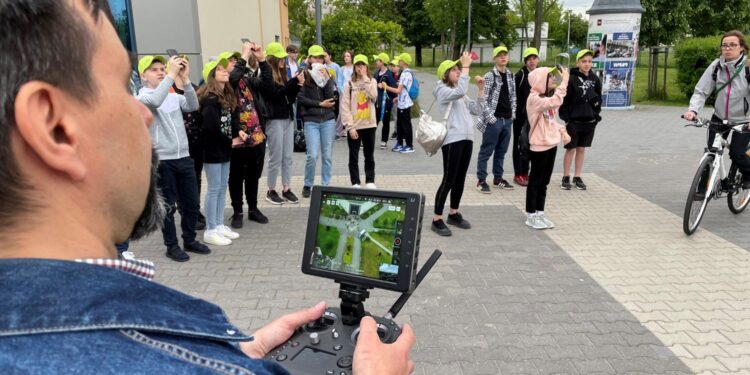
[(545, 132)]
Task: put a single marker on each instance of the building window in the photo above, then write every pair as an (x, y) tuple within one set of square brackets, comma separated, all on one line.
[(122, 13)]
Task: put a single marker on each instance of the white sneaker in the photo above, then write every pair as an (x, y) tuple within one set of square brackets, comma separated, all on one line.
[(546, 221), (535, 222), (371, 185), (227, 233), (212, 237), (356, 186)]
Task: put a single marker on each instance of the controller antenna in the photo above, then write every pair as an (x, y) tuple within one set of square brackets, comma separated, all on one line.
[(401, 301)]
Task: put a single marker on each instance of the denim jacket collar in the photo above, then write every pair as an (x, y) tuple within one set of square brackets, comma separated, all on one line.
[(44, 296)]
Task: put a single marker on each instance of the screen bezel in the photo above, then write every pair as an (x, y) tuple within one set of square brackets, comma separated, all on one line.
[(409, 241)]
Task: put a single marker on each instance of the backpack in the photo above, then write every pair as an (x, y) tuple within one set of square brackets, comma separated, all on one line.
[(414, 87), (715, 74), (431, 134)]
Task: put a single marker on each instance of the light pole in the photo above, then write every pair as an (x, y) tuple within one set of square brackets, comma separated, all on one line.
[(468, 32), (318, 15), (568, 45)]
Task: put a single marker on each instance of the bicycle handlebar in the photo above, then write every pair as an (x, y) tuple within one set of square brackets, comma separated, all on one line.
[(724, 126)]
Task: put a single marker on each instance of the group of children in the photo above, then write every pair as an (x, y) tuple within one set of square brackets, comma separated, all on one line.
[(247, 103), (506, 102)]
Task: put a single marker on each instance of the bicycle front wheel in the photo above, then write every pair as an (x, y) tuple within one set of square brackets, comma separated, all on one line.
[(738, 197), (698, 197)]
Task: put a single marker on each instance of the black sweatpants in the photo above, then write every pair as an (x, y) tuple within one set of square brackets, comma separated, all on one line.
[(520, 164), (196, 153), (367, 139), (403, 127), (542, 164), (385, 133), (456, 158), (246, 166)]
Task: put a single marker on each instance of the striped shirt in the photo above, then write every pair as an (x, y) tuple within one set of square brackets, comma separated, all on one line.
[(137, 267)]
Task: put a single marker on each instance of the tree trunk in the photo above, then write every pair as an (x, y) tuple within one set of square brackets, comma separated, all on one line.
[(418, 53), (538, 21), (452, 46)]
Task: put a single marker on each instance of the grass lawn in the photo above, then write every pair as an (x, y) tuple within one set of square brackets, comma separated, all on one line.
[(372, 257), (328, 240), (348, 250), (388, 219)]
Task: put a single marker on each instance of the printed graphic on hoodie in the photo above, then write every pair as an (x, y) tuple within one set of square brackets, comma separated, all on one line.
[(363, 107)]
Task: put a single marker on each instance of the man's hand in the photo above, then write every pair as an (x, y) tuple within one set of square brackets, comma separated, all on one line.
[(689, 115), (465, 60), (328, 103), (371, 356), (185, 71), (565, 73), (258, 52), (174, 67), (479, 80), (277, 332), (300, 78), (353, 133), (246, 50)]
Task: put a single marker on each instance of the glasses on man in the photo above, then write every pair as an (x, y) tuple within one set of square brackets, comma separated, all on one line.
[(729, 45)]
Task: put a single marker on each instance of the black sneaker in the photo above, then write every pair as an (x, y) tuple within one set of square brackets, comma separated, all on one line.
[(197, 247), (273, 197), (501, 183), (290, 197), (458, 220), (257, 217), (306, 191), (579, 183), (483, 187), (440, 228), (565, 185), (236, 221), (177, 255), (201, 223)]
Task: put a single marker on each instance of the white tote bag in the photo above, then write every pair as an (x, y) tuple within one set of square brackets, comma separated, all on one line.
[(430, 133)]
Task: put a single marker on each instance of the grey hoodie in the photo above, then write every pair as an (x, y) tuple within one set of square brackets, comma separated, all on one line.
[(168, 134), (733, 102), (460, 124)]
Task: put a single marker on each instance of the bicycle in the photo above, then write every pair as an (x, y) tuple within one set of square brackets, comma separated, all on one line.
[(712, 179)]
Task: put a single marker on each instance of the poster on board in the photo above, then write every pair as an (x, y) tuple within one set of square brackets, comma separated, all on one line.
[(614, 40)]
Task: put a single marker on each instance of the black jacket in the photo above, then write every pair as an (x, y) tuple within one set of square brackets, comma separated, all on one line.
[(219, 127), (523, 88), (583, 102), (310, 97), (278, 98)]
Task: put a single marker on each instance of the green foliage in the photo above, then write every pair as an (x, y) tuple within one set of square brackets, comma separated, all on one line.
[(664, 21), (693, 57), (712, 17)]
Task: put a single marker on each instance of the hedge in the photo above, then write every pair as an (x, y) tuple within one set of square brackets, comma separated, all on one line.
[(693, 57)]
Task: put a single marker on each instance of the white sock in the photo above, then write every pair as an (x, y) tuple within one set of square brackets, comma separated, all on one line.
[(539, 213), (530, 215)]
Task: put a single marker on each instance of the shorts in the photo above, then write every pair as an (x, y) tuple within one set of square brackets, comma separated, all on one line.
[(581, 134)]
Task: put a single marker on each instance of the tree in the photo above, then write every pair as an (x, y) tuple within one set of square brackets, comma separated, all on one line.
[(664, 21), (712, 17), (418, 29), (549, 11), (301, 24)]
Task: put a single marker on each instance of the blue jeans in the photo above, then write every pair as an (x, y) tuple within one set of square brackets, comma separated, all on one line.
[(319, 139), (217, 178), (495, 139)]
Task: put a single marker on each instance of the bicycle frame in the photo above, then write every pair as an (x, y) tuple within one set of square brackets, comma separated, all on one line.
[(719, 170)]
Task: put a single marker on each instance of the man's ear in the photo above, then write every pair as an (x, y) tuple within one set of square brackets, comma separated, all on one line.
[(48, 127)]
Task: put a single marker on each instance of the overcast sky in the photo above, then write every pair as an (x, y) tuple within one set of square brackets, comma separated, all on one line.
[(577, 6)]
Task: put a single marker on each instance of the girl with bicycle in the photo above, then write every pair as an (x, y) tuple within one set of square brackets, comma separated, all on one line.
[(729, 78)]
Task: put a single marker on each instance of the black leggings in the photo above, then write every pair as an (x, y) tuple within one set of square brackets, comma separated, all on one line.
[(520, 164), (403, 127), (542, 164), (385, 132), (367, 139), (246, 166), (456, 158)]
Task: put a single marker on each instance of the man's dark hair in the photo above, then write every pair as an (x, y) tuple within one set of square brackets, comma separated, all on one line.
[(292, 49), (42, 40)]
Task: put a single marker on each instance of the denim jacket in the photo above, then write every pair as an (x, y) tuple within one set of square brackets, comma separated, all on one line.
[(61, 317)]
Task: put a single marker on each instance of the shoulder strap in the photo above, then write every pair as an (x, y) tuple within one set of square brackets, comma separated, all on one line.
[(715, 73), (747, 74), (448, 112)]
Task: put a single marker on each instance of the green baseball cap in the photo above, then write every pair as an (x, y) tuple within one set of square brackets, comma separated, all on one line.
[(553, 70), (584, 52), (499, 49), (361, 59), (445, 66), (531, 51), (276, 50), (405, 57), (228, 54), (316, 51), (382, 57), (211, 65), (146, 61), (394, 61)]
